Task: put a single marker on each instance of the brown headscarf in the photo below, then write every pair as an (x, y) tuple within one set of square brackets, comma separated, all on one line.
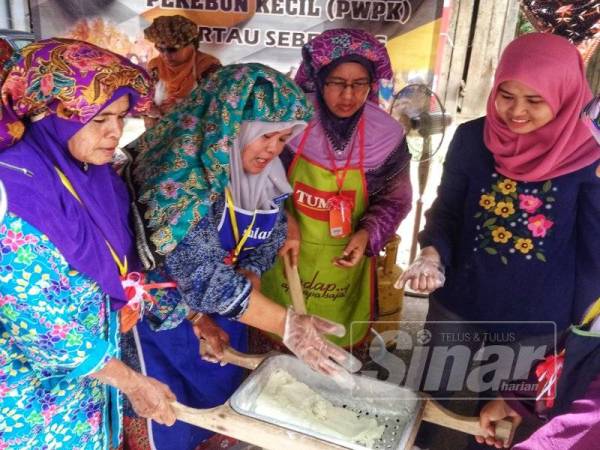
[(171, 31), (178, 32)]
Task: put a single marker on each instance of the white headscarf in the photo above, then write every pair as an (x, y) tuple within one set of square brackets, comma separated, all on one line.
[(257, 191)]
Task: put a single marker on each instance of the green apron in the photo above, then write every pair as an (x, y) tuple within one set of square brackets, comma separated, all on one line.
[(343, 295)]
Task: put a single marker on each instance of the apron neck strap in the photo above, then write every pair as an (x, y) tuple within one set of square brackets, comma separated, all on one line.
[(234, 225)]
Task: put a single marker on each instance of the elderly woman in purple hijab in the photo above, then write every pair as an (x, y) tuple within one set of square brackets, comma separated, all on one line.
[(65, 244), (349, 172)]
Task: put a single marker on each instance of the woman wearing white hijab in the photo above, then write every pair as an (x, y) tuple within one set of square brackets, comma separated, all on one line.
[(211, 185)]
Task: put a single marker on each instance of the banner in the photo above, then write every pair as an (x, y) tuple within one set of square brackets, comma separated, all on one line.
[(268, 31)]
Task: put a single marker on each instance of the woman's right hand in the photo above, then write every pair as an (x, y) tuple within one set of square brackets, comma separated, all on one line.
[(492, 412), (303, 335), (151, 399), (425, 274)]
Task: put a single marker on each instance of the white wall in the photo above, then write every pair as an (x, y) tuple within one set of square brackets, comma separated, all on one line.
[(19, 17)]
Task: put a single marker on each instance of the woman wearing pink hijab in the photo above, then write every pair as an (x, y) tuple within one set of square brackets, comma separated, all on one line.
[(513, 233), (574, 413)]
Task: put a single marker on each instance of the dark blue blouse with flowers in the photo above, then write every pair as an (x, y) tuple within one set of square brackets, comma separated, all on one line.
[(55, 328), (514, 250)]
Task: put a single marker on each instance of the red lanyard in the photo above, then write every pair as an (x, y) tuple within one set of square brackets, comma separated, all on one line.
[(340, 175)]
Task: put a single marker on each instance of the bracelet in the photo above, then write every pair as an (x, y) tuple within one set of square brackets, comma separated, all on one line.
[(195, 317)]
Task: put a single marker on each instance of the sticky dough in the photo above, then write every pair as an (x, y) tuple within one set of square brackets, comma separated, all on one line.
[(288, 400)]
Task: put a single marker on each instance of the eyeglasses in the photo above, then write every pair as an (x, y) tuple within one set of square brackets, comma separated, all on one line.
[(168, 49), (358, 87), (172, 49)]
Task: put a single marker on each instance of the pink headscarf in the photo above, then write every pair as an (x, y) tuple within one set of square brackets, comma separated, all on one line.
[(551, 66)]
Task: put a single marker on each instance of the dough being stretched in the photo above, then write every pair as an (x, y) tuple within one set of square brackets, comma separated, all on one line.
[(291, 401)]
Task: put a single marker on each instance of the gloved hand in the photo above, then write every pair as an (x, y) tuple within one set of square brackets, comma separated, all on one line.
[(303, 335), (425, 274)]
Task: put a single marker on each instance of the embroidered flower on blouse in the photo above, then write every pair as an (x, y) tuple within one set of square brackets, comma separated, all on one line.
[(508, 217), (488, 201), (539, 225), (507, 186), (529, 203), (504, 209), (501, 235), (524, 245)]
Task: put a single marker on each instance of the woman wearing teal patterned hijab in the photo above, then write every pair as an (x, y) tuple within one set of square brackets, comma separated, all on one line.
[(180, 176), (210, 188)]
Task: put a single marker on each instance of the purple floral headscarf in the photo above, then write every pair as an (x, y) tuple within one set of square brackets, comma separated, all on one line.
[(48, 95), (341, 43), (69, 78)]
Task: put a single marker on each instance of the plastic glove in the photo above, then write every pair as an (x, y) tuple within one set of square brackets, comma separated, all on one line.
[(425, 274), (492, 412), (303, 335), (216, 338)]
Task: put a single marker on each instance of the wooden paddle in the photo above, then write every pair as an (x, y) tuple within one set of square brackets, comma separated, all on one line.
[(294, 284)]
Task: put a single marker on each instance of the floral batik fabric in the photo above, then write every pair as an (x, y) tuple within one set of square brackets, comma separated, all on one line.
[(71, 79), (55, 329), (178, 179), (339, 43)]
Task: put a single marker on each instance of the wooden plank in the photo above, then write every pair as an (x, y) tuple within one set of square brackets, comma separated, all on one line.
[(460, 46), (484, 56), (593, 71), (449, 36), (495, 28), (511, 23)]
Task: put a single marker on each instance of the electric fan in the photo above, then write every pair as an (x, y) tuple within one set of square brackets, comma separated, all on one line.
[(424, 118)]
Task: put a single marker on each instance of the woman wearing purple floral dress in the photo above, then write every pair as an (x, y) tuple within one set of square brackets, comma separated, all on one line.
[(65, 243)]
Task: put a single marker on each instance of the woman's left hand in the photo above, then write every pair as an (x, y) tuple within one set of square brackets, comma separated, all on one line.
[(216, 338), (354, 251)]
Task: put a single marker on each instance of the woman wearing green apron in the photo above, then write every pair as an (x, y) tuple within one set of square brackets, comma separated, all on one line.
[(350, 179)]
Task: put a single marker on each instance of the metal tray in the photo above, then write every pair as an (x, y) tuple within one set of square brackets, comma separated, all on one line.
[(398, 409)]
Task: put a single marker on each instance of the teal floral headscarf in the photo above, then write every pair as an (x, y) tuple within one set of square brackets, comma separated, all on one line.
[(183, 162)]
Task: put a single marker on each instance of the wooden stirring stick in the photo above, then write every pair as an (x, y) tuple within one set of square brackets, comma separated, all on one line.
[(294, 284)]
